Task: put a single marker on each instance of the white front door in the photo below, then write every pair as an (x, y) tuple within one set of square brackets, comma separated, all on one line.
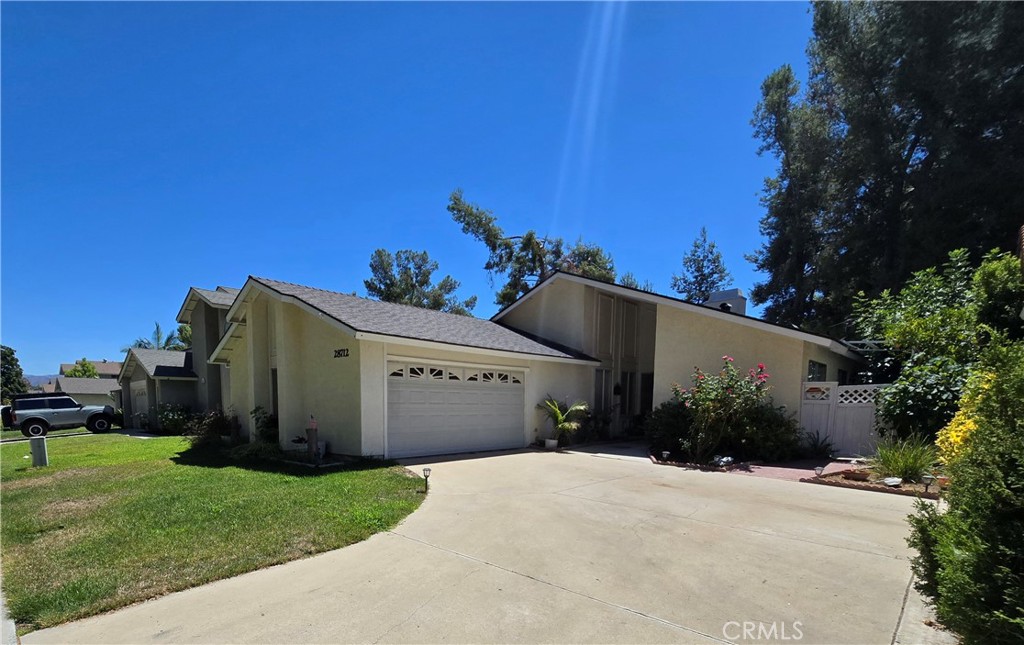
[(437, 409)]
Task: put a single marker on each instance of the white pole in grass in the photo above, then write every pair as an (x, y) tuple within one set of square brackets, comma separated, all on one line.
[(38, 447)]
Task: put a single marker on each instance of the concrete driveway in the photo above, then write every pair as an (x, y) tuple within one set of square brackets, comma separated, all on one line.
[(542, 547)]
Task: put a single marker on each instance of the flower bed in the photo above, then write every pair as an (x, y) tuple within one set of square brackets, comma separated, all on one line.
[(851, 479)]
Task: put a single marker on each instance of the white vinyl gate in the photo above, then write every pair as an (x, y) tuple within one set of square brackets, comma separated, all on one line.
[(845, 414), (438, 409)]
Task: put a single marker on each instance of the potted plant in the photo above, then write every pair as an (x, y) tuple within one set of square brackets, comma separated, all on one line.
[(565, 418)]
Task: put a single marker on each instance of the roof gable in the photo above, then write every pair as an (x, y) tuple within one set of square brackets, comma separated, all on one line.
[(159, 363), (661, 299), (219, 298)]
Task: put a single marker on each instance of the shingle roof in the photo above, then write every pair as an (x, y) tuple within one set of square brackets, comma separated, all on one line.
[(85, 385), (162, 363), (404, 321), (103, 367), (221, 297)]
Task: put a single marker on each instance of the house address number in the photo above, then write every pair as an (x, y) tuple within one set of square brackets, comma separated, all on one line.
[(341, 353)]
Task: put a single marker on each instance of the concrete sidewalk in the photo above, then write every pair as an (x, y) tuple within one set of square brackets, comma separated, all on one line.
[(571, 547)]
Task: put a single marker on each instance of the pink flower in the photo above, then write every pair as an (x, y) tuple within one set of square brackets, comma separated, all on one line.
[(760, 366), (727, 358)]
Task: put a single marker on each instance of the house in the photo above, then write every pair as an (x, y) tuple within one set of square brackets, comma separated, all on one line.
[(88, 391), (106, 369), (206, 310), (152, 377), (389, 380)]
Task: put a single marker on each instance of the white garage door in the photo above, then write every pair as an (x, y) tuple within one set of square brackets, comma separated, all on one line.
[(436, 409)]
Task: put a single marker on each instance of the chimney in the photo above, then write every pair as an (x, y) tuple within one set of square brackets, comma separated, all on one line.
[(728, 300)]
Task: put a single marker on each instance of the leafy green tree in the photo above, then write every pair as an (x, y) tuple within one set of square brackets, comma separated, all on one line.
[(405, 278), (184, 335), (933, 331), (157, 341), (798, 136), (906, 144), (589, 260), (529, 258), (12, 378), (703, 272), (83, 368), (627, 279)]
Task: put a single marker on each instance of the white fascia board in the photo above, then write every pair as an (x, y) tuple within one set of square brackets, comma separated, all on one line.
[(449, 347), (185, 308), (129, 358), (229, 335)]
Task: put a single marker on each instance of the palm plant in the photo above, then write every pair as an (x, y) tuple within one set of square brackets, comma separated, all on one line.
[(565, 418), (157, 341)]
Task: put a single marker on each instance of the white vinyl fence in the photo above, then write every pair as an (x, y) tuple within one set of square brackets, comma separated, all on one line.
[(845, 414)]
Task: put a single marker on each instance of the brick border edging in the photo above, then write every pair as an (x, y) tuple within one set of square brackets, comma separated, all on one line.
[(844, 483), (703, 467)]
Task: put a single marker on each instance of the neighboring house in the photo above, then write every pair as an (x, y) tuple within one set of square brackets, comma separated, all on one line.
[(151, 377), (48, 387), (205, 310), (391, 380), (106, 369), (88, 391)]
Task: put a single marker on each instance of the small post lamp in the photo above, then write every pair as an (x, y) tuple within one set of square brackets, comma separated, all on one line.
[(927, 479), (664, 455), (818, 470), (426, 479)]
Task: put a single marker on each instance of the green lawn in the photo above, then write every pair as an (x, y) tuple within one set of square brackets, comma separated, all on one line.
[(16, 434), (115, 519)]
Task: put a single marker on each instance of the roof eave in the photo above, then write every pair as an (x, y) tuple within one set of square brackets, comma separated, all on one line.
[(469, 349)]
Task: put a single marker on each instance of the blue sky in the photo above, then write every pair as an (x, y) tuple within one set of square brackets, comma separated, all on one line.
[(148, 147)]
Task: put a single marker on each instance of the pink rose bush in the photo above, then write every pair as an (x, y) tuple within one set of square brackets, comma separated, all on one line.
[(727, 413)]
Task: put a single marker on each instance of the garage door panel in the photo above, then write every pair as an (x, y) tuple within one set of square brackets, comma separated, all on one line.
[(436, 417)]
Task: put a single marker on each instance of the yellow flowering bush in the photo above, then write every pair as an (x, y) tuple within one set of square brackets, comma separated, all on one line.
[(952, 438)]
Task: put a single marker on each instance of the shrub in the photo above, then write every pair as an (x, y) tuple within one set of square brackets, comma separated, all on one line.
[(816, 445), (970, 559), (953, 436), (907, 458), (173, 419), (208, 428), (265, 425), (724, 412), (667, 426)]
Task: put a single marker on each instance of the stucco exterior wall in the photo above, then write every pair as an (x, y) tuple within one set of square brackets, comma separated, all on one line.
[(833, 362), (239, 403), (556, 312), (176, 392), (686, 339), (310, 380), (206, 334)]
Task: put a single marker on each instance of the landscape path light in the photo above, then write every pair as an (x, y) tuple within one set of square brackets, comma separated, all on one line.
[(426, 479)]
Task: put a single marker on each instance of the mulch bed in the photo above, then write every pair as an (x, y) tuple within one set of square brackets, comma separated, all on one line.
[(712, 469), (842, 480)]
